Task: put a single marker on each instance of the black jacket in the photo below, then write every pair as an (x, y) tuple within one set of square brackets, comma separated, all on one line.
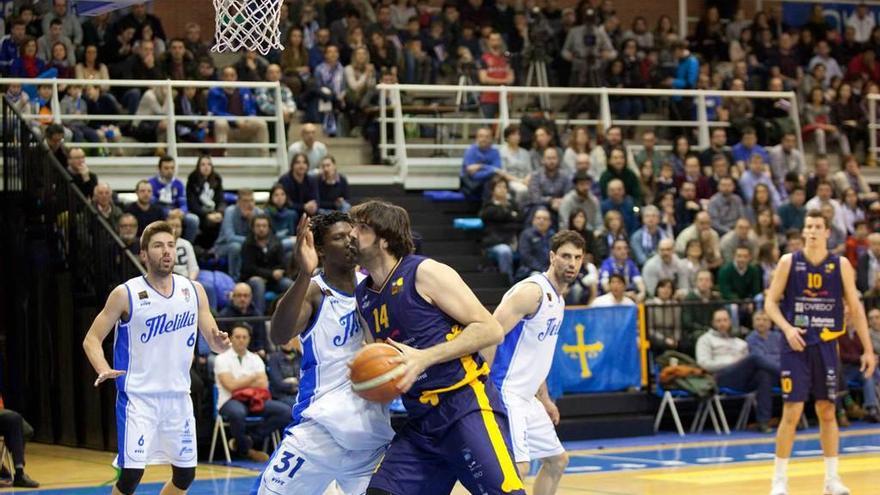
[(258, 261), (194, 185), (501, 223)]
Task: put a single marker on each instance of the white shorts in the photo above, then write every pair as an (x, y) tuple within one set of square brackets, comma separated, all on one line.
[(309, 460), (155, 429), (531, 430)]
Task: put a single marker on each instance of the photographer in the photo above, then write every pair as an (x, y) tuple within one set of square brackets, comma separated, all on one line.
[(586, 47)]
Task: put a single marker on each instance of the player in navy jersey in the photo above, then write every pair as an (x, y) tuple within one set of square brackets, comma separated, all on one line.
[(806, 301), (156, 318), (458, 426)]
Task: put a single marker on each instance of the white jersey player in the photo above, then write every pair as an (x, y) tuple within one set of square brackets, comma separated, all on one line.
[(531, 313), (156, 318), (335, 435)]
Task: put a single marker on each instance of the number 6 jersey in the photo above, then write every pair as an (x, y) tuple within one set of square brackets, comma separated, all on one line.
[(154, 346)]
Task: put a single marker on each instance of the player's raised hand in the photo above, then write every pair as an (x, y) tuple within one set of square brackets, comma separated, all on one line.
[(306, 254), (795, 339), (108, 375), (868, 364), (416, 362)]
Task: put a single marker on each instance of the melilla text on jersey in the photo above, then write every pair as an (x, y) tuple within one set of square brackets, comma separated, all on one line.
[(160, 324)]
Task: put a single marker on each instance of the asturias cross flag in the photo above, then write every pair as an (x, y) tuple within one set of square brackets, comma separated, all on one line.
[(597, 351)]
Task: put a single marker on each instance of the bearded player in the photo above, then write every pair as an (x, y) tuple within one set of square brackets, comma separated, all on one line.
[(531, 313)]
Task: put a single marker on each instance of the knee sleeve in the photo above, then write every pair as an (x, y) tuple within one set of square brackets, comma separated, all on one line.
[(128, 480), (377, 491), (182, 477)]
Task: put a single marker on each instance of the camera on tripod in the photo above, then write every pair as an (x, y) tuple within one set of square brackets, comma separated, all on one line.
[(540, 38)]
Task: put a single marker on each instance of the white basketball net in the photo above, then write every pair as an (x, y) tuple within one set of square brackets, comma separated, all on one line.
[(247, 25)]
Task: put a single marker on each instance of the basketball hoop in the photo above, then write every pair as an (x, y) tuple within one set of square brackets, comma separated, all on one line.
[(247, 25)]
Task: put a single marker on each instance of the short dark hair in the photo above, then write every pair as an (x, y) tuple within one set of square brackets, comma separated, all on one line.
[(616, 276), (563, 237), (241, 324), (390, 222), (664, 282), (54, 130), (512, 128), (260, 216), (815, 213), (722, 308), (165, 159), (56, 22), (748, 130), (152, 229), (320, 224)]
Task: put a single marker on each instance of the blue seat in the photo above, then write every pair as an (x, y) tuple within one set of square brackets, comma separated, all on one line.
[(468, 223), (443, 196)]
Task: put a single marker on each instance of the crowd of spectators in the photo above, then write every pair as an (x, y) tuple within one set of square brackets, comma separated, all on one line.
[(337, 51)]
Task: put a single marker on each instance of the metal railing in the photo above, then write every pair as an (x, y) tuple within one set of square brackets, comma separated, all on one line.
[(170, 117), (873, 128), (61, 259), (393, 113)]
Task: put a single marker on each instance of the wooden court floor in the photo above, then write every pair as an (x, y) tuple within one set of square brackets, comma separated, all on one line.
[(662, 465)]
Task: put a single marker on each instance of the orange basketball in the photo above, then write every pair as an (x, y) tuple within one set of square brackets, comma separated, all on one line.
[(374, 374)]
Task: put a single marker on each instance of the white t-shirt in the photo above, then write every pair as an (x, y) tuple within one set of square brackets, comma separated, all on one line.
[(229, 362), (606, 300), (185, 260)]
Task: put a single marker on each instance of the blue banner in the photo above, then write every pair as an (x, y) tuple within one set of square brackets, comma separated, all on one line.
[(597, 351), (797, 14)]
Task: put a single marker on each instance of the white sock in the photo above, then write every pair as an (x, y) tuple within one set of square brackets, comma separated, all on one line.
[(830, 467), (781, 467)]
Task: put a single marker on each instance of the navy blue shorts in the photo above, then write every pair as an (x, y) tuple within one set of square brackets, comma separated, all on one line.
[(464, 438), (814, 371)]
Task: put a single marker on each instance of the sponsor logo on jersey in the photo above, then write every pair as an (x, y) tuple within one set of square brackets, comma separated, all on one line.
[(160, 324), (143, 295), (829, 267), (185, 292), (828, 335), (397, 286), (818, 306)]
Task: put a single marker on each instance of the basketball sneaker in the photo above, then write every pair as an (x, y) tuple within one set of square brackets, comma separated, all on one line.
[(779, 486), (833, 486)]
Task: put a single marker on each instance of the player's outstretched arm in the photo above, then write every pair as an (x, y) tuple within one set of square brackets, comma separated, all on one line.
[(116, 306), (857, 316), (771, 304), (218, 341), (442, 286), (296, 306), (523, 301)]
